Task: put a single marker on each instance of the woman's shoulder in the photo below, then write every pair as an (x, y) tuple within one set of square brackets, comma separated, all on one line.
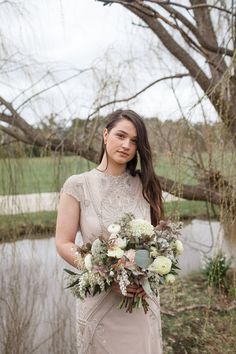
[(75, 185), (77, 179)]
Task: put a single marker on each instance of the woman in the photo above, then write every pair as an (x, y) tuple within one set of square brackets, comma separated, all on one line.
[(90, 202)]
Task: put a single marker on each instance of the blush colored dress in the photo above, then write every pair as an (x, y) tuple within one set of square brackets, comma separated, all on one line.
[(102, 328)]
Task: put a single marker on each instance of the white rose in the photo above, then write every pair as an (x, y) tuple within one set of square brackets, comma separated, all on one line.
[(96, 246), (178, 246), (88, 261), (161, 265), (113, 228), (170, 279), (140, 226), (116, 252), (120, 242)]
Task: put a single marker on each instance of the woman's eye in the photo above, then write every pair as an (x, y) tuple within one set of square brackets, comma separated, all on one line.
[(120, 136)]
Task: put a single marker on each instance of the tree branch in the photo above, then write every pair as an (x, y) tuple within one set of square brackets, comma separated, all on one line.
[(15, 133), (174, 48), (201, 39), (205, 27), (17, 121), (176, 76), (197, 192)]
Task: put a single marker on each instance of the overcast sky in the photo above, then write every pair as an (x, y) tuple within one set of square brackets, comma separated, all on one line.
[(67, 35)]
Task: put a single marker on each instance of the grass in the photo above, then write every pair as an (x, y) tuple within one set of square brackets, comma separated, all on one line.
[(176, 169), (37, 175), (187, 209), (30, 225), (47, 174), (42, 224), (207, 329)]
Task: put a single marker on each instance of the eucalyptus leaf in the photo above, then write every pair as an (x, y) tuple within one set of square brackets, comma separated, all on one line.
[(69, 272), (73, 284), (142, 259), (96, 289)]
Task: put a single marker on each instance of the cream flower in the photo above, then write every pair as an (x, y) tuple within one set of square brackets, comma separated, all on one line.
[(112, 237), (96, 246), (153, 252), (116, 252), (178, 246), (140, 226), (161, 265), (113, 228), (170, 279), (120, 242), (88, 261)]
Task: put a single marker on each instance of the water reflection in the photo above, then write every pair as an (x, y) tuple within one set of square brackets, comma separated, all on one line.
[(203, 239), (37, 314)]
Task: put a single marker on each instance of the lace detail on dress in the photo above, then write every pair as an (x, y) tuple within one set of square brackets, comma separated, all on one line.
[(118, 195), (118, 198), (74, 187)]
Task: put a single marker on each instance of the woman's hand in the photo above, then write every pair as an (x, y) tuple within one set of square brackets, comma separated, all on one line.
[(132, 290)]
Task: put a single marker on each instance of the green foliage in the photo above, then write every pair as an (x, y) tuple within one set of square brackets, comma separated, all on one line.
[(215, 271)]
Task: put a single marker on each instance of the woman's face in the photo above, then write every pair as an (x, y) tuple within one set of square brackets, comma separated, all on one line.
[(121, 142)]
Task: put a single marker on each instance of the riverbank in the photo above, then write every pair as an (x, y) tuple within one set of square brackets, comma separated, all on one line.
[(36, 202), (195, 319), (42, 224)]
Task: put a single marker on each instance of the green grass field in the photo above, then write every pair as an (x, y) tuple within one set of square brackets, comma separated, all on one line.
[(47, 174), (37, 175)]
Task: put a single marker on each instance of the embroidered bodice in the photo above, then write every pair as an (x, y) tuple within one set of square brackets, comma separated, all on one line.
[(104, 199)]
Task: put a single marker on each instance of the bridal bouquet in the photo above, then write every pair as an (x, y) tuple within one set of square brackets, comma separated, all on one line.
[(135, 253)]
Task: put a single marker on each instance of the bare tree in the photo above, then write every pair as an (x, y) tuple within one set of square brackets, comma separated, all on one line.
[(200, 35)]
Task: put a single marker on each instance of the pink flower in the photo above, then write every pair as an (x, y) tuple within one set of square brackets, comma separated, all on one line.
[(100, 269), (130, 254)]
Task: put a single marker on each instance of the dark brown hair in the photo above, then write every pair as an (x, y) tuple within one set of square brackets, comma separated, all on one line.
[(151, 185)]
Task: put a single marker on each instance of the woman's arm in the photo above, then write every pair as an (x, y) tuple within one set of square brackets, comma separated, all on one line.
[(66, 228)]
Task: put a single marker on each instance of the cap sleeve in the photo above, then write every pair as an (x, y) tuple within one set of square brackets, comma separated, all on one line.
[(73, 186)]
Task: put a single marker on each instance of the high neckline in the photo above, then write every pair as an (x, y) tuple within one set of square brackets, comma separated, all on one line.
[(103, 173)]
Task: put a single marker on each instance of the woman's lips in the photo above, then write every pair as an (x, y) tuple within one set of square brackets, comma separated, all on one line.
[(123, 153)]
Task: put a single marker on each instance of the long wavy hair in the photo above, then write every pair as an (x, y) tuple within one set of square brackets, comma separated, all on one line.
[(151, 186)]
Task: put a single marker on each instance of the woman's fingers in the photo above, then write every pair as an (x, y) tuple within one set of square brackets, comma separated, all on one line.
[(132, 290), (138, 291), (117, 290)]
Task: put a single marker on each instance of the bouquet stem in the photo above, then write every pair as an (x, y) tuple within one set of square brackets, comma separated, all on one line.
[(129, 303)]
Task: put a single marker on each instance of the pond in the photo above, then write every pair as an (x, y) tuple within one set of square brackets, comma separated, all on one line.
[(38, 315)]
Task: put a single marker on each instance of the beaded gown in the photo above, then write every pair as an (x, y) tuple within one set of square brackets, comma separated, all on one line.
[(102, 328)]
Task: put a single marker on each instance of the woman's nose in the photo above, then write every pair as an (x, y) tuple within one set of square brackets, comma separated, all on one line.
[(126, 143)]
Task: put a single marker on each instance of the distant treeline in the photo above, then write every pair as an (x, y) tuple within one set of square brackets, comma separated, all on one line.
[(166, 136)]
